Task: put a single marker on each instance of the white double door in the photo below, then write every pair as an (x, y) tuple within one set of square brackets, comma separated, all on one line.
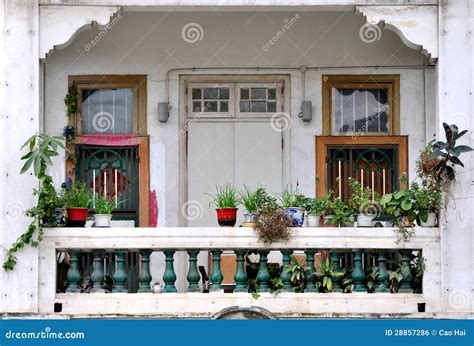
[(237, 152), (233, 151)]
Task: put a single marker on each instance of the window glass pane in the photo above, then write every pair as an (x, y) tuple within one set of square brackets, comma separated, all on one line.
[(244, 106), (197, 94), (211, 93), (271, 107), (259, 93), (197, 106), (224, 106), (272, 94), (210, 106), (360, 110), (223, 93), (258, 106), (107, 111), (244, 94)]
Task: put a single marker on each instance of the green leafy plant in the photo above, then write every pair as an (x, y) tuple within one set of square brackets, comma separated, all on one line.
[(314, 206), (427, 200), (361, 200), (104, 205), (325, 275), (76, 196), (226, 196), (371, 273), (340, 213), (292, 198), (41, 148), (298, 273), (400, 205), (249, 199), (448, 153), (347, 283)]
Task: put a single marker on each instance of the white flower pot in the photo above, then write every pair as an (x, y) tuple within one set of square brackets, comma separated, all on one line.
[(102, 220), (313, 220), (432, 221), (364, 220)]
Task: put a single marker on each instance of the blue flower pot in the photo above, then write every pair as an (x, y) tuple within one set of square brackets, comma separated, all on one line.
[(295, 215), (250, 217)]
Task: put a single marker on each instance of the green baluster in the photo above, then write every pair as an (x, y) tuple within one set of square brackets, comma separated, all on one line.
[(73, 275), (240, 276), (216, 275), (405, 283), (310, 276), (285, 273), (169, 276), (263, 276), (120, 277), (358, 274), (145, 276), (193, 274), (97, 275), (382, 277), (336, 269)]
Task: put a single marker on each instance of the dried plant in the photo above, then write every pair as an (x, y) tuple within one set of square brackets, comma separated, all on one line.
[(273, 226)]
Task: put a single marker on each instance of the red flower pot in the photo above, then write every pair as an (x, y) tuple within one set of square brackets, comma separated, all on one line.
[(227, 216), (76, 217)]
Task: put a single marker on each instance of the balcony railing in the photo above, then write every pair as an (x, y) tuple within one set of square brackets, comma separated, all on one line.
[(351, 250)]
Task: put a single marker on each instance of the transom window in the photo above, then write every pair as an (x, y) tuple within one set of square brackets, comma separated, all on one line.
[(229, 100), (361, 105)]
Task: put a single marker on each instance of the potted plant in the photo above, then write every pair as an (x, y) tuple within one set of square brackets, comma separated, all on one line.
[(427, 202), (326, 207), (314, 209), (400, 205), (103, 211), (250, 201), (363, 204), (340, 214), (293, 204), (226, 201), (76, 198)]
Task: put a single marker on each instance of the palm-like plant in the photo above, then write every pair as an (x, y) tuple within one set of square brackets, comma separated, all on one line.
[(325, 275)]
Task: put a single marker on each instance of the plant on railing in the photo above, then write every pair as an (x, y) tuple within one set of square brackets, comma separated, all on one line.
[(294, 204), (325, 276), (448, 153), (340, 213), (426, 167), (41, 149), (427, 201), (273, 226), (255, 202), (298, 273), (226, 199)]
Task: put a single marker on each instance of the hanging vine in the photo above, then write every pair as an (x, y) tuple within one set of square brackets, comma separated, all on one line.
[(71, 101), (41, 148)]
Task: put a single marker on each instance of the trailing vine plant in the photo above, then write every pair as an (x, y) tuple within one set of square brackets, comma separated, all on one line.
[(71, 101), (41, 148), (69, 133)]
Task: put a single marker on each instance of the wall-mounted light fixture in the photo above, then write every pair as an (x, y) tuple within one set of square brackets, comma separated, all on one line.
[(163, 112), (306, 111)]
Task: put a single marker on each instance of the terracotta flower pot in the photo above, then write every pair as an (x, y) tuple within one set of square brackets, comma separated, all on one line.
[(76, 217), (227, 216)]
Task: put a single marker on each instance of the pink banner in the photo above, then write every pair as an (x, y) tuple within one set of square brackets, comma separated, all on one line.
[(108, 140)]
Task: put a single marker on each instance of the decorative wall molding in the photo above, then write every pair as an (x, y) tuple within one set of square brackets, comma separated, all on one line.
[(417, 26), (59, 25)]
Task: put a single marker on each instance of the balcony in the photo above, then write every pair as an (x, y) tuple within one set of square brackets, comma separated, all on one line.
[(358, 243)]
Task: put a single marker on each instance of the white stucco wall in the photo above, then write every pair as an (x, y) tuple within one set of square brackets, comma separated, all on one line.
[(151, 43)]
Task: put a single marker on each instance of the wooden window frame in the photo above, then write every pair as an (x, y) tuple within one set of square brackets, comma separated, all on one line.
[(139, 138), (374, 81), (323, 142), (138, 84)]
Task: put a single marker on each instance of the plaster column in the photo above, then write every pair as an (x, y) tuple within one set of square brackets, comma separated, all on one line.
[(455, 106), (19, 119)]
